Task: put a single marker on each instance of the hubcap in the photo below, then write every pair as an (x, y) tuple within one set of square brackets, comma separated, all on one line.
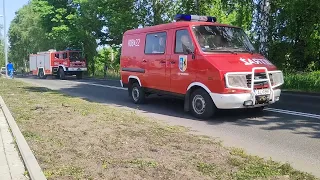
[(135, 94), (199, 104)]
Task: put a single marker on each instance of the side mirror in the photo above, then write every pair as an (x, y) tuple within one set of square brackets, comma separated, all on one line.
[(189, 51)]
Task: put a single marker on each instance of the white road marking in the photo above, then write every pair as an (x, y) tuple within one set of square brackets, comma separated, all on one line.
[(107, 86), (293, 113), (282, 111), (113, 87)]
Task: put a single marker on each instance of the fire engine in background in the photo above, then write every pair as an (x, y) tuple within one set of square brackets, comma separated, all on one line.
[(57, 63), (209, 65)]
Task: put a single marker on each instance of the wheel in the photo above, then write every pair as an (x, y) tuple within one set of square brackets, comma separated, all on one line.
[(201, 104), (62, 75), (137, 93), (79, 75), (41, 75)]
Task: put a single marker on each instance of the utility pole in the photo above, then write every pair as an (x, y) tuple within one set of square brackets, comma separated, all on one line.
[(112, 57), (5, 37)]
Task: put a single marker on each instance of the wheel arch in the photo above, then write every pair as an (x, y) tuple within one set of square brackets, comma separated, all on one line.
[(63, 67), (193, 86), (134, 78), (41, 68)]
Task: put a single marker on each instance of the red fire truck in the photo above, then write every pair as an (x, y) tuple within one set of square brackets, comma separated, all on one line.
[(57, 63)]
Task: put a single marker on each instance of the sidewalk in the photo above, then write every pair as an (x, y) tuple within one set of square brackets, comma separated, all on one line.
[(11, 165)]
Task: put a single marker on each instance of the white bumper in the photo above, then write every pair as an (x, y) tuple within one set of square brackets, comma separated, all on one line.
[(234, 101), (77, 69)]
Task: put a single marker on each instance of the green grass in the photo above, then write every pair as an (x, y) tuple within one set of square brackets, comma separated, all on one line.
[(251, 167), (307, 82), (76, 139), (111, 74)]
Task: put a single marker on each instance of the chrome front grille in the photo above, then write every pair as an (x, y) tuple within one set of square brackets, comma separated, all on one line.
[(257, 85), (243, 80), (254, 81)]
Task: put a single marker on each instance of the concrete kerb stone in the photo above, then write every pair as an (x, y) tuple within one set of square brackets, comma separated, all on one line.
[(34, 169)]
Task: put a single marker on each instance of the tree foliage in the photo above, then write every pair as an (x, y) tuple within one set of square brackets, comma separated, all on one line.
[(287, 32)]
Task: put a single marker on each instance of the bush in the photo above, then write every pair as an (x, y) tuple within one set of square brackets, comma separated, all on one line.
[(309, 82), (111, 74)]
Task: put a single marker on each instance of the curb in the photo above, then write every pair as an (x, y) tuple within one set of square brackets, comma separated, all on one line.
[(300, 92), (34, 170)]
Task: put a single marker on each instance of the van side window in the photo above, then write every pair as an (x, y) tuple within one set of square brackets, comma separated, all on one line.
[(155, 43), (183, 40)]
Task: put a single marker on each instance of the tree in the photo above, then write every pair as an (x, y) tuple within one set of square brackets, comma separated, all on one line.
[(292, 26), (26, 35)]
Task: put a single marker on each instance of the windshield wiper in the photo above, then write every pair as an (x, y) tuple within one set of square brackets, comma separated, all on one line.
[(246, 47), (221, 49)]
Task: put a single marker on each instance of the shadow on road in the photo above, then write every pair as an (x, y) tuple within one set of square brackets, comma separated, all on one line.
[(174, 108)]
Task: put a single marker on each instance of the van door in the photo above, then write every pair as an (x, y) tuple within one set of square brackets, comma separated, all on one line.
[(183, 68), (155, 56)]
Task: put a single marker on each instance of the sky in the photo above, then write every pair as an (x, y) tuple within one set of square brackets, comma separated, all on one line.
[(11, 7)]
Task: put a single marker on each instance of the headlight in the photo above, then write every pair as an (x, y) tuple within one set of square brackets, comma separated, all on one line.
[(237, 81), (276, 78)]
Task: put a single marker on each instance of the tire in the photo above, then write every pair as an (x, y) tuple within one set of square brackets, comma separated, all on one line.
[(62, 75), (137, 93), (201, 104), (79, 75), (41, 75)]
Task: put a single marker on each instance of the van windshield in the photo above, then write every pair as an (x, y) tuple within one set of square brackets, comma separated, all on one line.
[(222, 39)]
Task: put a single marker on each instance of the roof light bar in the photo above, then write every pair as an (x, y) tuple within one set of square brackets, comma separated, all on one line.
[(188, 17)]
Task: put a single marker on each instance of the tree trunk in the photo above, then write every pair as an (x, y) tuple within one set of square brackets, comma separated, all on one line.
[(265, 10)]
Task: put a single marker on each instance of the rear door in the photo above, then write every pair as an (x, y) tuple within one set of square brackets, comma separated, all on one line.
[(40, 60), (47, 65), (155, 56)]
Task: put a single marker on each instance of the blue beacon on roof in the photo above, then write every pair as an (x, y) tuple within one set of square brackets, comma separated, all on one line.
[(188, 17)]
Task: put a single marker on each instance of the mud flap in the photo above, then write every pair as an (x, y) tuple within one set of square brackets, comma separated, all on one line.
[(186, 102)]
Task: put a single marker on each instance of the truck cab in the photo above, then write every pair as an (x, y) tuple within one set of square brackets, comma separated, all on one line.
[(68, 62), (209, 65), (57, 63)]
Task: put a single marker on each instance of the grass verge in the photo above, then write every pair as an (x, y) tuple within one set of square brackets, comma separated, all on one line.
[(111, 74), (307, 82), (76, 139)]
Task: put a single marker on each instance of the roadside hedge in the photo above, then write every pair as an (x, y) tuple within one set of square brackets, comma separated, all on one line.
[(308, 82)]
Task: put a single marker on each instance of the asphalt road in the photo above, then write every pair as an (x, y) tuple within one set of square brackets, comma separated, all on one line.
[(288, 131)]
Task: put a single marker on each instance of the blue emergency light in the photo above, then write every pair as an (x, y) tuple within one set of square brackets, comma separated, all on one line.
[(188, 17)]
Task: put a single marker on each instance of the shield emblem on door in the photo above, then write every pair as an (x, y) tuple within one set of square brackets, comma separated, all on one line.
[(183, 63)]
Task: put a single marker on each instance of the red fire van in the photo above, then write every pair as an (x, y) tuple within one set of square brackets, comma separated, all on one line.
[(210, 65)]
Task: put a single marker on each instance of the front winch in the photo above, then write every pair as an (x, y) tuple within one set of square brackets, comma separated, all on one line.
[(262, 99)]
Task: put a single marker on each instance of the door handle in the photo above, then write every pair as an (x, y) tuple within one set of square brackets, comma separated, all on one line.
[(144, 60), (173, 62), (162, 62)]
